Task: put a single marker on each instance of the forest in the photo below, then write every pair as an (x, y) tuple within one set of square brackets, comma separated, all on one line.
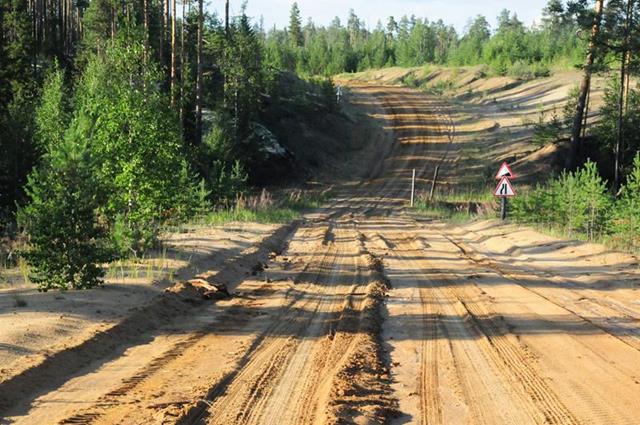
[(119, 116)]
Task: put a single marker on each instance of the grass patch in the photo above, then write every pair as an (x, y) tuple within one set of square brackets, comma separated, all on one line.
[(264, 209), (265, 215), (442, 212), (466, 194), (458, 205)]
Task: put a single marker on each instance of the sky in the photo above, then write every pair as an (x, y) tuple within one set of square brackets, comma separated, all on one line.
[(454, 12)]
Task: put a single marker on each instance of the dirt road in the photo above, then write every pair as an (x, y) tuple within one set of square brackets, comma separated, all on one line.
[(365, 313)]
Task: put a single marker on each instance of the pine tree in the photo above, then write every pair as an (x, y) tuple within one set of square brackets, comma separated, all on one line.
[(244, 77), (295, 26), (585, 86), (68, 241), (626, 223)]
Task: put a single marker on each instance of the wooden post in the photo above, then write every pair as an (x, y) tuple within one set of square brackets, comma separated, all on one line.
[(413, 186), (433, 183)]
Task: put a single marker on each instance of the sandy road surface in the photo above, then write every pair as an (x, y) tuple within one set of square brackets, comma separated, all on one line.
[(480, 326)]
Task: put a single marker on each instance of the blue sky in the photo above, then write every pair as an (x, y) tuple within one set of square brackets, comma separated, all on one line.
[(456, 12)]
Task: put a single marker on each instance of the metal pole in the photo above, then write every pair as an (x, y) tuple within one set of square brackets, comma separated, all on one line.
[(503, 208), (413, 186)]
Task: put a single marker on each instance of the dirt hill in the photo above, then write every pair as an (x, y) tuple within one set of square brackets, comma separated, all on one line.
[(494, 116)]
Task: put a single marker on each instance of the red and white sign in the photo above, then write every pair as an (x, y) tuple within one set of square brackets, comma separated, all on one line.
[(505, 171), (504, 189)]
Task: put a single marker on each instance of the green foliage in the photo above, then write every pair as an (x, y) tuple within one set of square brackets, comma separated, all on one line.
[(569, 110), (606, 131), (263, 209), (68, 239), (228, 182), (202, 198), (512, 50), (327, 92), (295, 26), (547, 131), (52, 115), (18, 91), (19, 152), (576, 202), (135, 137), (244, 77), (528, 71), (626, 219)]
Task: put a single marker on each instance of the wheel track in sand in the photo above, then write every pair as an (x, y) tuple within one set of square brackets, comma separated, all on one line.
[(501, 351)]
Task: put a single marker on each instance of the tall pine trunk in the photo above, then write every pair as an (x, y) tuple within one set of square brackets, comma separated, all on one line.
[(145, 20), (621, 95), (585, 85), (182, 61), (173, 52), (199, 76), (226, 18), (161, 34)]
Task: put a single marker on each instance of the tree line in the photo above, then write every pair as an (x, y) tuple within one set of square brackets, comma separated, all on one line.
[(415, 41)]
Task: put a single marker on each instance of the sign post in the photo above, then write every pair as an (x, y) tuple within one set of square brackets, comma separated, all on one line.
[(504, 190)]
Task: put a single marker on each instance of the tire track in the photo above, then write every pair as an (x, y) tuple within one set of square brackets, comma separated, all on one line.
[(505, 360)]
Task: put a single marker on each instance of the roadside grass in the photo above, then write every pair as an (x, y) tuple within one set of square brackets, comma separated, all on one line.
[(440, 212), (266, 215), (458, 205), (474, 193), (262, 208), (162, 262)]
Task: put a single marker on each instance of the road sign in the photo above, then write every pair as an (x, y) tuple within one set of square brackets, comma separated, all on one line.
[(505, 171), (504, 189)]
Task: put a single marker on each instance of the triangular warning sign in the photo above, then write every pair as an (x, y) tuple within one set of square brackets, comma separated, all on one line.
[(505, 171), (504, 189)]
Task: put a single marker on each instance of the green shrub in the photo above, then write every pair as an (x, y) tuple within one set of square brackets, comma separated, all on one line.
[(584, 200), (411, 81), (327, 91), (528, 71), (626, 221), (547, 131), (68, 240), (569, 110), (536, 206), (575, 202)]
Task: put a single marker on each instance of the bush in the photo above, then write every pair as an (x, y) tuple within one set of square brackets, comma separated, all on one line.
[(68, 240), (411, 81), (584, 200), (576, 202), (626, 221), (327, 93), (528, 71), (545, 132), (536, 206), (228, 182)]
